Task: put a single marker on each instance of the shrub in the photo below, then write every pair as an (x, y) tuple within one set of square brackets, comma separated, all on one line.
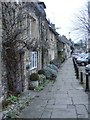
[(5, 103), (50, 73), (62, 59), (56, 62), (13, 93), (12, 99), (47, 73), (51, 62), (34, 77), (52, 66), (41, 72), (42, 78)]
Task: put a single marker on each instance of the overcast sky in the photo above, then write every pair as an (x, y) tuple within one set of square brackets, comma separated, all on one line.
[(62, 12)]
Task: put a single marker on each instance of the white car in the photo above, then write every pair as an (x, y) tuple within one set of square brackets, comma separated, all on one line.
[(82, 60), (75, 55)]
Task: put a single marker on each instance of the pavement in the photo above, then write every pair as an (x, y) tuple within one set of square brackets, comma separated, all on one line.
[(1, 98), (65, 98)]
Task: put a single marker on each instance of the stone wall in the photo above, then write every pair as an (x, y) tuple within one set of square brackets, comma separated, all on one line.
[(0, 50), (3, 82), (39, 32), (0, 38), (89, 26)]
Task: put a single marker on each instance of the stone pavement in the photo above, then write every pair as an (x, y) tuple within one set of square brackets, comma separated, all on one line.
[(1, 98), (63, 99)]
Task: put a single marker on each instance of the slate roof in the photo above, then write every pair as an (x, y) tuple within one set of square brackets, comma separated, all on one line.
[(40, 8), (65, 41), (53, 30)]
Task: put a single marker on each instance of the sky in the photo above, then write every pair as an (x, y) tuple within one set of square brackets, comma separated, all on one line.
[(62, 13)]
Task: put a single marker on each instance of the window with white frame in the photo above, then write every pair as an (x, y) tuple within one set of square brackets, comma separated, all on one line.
[(33, 63)]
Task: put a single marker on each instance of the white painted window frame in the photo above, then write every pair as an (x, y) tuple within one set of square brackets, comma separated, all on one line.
[(33, 63)]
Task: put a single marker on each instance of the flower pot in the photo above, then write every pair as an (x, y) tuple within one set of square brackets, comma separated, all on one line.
[(35, 83)]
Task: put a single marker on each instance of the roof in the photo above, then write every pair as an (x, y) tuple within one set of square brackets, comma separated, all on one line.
[(40, 8), (64, 40), (53, 29), (43, 4)]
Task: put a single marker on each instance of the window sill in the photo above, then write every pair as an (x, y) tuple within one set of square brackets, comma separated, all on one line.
[(33, 68)]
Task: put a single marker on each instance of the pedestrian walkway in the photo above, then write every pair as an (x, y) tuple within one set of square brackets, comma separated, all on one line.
[(65, 98)]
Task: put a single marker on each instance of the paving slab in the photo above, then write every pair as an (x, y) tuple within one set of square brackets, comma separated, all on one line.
[(88, 108), (81, 111), (63, 113), (32, 112), (47, 113), (63, 101), (64, 106), (80, 100)]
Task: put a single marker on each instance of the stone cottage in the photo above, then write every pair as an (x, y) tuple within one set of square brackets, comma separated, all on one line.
[(66, 47), (28, 44), (53, 42), (25, 42)]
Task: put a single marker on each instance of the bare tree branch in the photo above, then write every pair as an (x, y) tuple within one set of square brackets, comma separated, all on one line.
[(81, 23)]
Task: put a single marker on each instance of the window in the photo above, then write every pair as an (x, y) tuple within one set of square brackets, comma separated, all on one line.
[(33, 63), (33, 27)]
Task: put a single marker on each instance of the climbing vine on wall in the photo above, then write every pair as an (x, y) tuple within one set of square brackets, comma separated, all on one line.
[(13, 28)]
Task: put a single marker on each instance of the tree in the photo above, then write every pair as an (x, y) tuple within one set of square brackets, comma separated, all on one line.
[(81, 23)]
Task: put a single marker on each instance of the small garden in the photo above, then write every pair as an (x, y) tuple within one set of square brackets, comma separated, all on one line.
[(37, 81), (13, 105)]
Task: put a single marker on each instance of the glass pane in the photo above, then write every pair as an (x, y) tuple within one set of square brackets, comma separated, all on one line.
[(33, 59)]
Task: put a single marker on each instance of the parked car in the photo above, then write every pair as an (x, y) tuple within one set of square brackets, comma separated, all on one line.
[(87, 68), (82, 59), (75, 55)]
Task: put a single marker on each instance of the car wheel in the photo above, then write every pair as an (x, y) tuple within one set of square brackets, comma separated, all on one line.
[(82, 63)]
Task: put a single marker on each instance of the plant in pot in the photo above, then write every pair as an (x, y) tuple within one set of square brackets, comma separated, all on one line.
[(41, 72), (42, 76), (34, 79)]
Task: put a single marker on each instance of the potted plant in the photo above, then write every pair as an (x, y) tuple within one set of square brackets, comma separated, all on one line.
[(41, 72), (34, 79)]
